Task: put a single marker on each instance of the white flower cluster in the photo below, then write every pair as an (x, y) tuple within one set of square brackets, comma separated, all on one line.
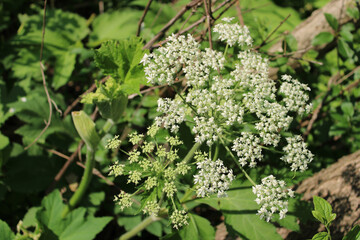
[(248, 149), (213, 177), (272, 196), (295, 98), (297, 154), (162, 66), (206, 130), (233, 33), (175, 113)]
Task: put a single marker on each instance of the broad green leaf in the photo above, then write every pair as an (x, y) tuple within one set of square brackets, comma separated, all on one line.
[(239, 210), (346, 32), (291, 43), (5, 231), (83, 228), (114, 26), (64, 67), (323, 211), (332, 21), (344, 49), (198, 228), (321, 236), (322, 38), (76, 226), (57, 44), (353, 12), (30, 217), (348, 109), (4, 141), (354, 234)]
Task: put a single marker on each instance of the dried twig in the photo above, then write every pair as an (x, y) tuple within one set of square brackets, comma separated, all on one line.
[(267, 38), (208, 18), (238, 9), (143, 17), (48, 122), (171, 22)]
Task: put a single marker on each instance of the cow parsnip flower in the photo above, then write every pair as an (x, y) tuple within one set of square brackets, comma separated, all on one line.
[(272, 196)]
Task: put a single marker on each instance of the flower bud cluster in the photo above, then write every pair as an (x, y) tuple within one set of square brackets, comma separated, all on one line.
[(179, 218), (153, 168), (272, 196)]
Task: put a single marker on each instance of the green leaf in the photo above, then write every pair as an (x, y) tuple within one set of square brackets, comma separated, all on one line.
[(344, 49), (291, 43), (76, 226), (346, 32), (321, 236), (114, 26), (332, 21), (83, 228), (354, 234), (353, 12), (64, 67), (323, 211), (322, 38), (198, 228), (30, 217), (239, 210), (4, 141), (5, 231), (348, 109)]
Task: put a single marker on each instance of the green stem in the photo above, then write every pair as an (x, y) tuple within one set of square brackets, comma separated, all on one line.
[(106, 128), (328, 230), (216, 154), (191, 153), (226, 48), (141, 226), (186, 195), (86, 178), (85, 181), (237, 163)]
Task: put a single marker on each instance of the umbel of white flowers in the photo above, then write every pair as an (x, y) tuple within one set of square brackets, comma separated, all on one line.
[(219, 107)]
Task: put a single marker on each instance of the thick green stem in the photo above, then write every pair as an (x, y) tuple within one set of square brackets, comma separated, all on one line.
[(106, 128), (191, 153), (237, 163), (216, 154), (226, 49), (141, 226), (85, 181)]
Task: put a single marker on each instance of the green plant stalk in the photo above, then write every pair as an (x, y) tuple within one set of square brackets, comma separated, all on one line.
[(237, 163), (216, 154), (147, 221), (328, 230), (106, 128), (141, 226), (85, 181), (86, 178)]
